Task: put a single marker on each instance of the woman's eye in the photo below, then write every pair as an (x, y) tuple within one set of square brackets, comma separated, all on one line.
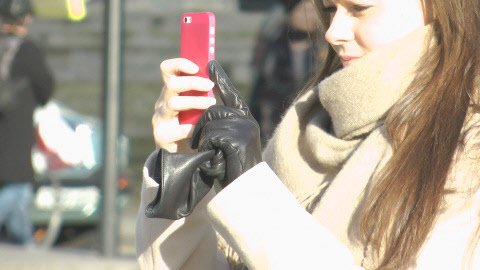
[(360, 8)]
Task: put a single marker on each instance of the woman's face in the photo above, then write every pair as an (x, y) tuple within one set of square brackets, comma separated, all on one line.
[(360, 26)]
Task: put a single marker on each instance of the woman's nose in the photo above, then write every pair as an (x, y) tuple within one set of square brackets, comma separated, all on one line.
[(340, 30)]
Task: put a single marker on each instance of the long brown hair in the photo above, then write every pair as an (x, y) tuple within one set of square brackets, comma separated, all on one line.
[(425, 128)]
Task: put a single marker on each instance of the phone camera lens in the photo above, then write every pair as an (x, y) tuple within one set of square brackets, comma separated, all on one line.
[(187, 19)]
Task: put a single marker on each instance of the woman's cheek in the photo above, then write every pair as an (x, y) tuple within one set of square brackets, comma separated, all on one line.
[(369, 38)]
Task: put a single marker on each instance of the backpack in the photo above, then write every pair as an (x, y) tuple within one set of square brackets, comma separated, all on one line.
[(10, 89)]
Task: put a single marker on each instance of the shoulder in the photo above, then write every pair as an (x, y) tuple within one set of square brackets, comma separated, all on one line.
[(30, 51), (30, 46)]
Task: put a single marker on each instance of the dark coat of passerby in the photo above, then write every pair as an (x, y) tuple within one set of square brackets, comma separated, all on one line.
[(286, 56), (17, 135)]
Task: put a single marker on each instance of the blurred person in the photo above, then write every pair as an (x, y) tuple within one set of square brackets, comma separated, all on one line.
[(287, 54), (16, 125), (393, 183)]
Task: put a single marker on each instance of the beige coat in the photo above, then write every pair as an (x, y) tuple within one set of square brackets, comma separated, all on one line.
[(265, 221)]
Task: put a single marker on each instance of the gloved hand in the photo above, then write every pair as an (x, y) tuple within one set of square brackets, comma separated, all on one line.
[(230, 128), (183, 182)]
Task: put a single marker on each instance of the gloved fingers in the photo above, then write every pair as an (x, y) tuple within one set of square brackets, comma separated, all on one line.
[(231, 165), (215, 167), (225, 89), (213, 113)]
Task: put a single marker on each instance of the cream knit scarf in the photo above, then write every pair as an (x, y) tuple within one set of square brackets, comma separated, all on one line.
[(357, 99), (337, 168)]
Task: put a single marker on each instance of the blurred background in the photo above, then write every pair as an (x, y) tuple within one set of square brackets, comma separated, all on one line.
[(75, 44)]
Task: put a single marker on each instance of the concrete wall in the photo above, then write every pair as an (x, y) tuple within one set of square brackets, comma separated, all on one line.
[(151, 35)]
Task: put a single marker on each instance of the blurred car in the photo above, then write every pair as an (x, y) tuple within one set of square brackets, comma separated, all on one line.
[(68, 164)]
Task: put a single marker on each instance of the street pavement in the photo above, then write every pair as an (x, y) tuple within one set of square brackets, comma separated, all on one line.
[(18, 258), (82, 253)]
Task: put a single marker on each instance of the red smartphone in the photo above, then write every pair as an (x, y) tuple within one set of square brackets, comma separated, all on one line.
[(197, 43)]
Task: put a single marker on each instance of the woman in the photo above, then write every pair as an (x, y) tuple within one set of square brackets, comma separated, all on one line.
[(393, 183)]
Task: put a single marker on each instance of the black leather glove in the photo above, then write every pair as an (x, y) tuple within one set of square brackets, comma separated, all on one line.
[(229, 141), (230, 128), (184, 179)]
